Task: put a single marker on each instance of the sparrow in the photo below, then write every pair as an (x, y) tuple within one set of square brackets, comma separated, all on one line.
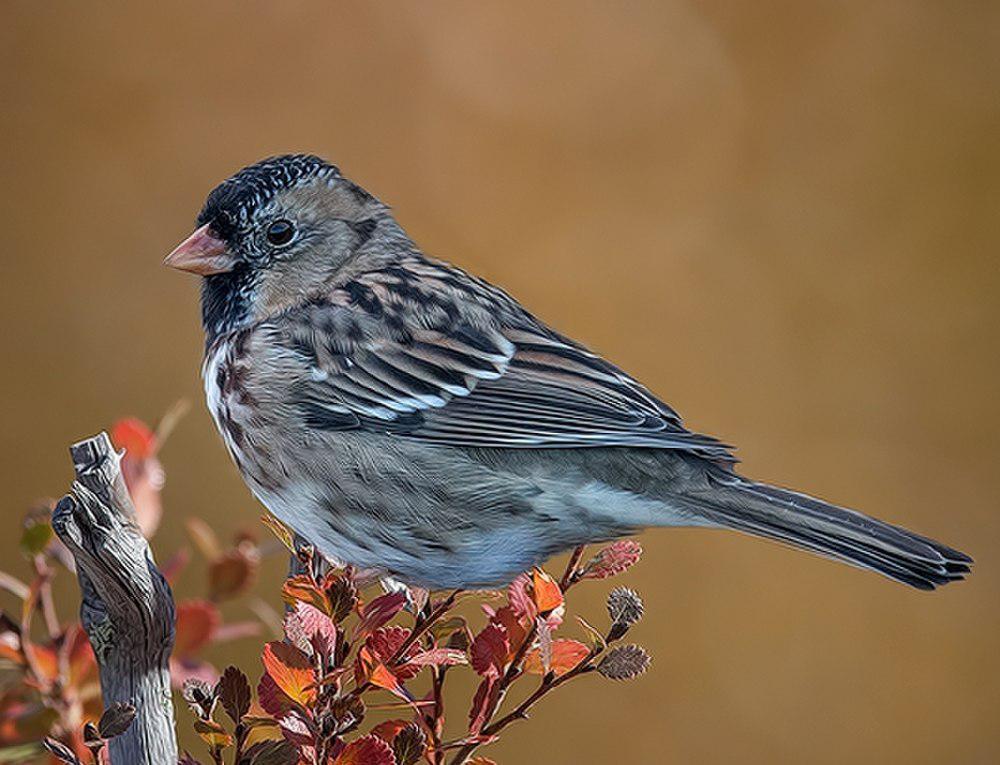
[(405, 416)]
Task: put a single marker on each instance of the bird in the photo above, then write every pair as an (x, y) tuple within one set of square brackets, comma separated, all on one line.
[(407, 417)]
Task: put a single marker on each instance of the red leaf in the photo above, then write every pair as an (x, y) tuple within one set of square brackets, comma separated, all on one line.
[(382, 645), (370, 750), (519, 596), (379, 611), (310, 630), (480, 704), (291, 670), (438, 657), (197, 622), (135, 437), (613, 559), (565, 655), (82, 662), (516, 630), (489, 651), (142, 471), (46, 661)]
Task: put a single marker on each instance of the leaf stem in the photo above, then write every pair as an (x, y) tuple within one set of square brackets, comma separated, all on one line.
[(423, 625), (569, 577)]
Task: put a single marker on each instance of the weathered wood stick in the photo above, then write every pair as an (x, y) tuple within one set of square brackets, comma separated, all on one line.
[(127, 609)]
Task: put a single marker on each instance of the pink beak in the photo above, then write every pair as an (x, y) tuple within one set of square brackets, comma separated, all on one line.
[(202, 253)]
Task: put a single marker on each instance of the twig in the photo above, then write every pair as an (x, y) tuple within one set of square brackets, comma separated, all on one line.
[(435, 721), (13, 585), (418, 629), (549, 683), (423, 625), (514, 671), (44, 573), (127, 610)]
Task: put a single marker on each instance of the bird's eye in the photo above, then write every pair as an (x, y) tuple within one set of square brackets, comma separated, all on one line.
[(280, 232)]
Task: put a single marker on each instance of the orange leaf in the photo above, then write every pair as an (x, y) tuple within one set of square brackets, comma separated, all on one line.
[(371, 669), (46, 661), (546, 592), (212, 733), (301, 589), (291, 670), (382, 677), (387, 730), (197, 621), (566, 654)]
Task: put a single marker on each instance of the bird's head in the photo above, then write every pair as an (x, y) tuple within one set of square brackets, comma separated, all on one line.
[(274, 234)]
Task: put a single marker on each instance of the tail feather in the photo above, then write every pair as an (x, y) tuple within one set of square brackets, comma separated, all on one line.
[(836, 532)]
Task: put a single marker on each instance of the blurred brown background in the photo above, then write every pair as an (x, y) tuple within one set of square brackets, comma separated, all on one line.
[(782, 216)]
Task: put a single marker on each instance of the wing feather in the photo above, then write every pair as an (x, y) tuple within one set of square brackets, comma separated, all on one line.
[(487, 379)]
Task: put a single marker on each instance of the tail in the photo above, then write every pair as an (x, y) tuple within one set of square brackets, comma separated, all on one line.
[(836, 532)]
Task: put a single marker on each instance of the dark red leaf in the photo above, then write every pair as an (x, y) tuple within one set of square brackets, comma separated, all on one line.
[(233, 691), (272, 699), (409, 745), (116, 720), (383, 644), (233, 573), (489, 651), (379, 611)]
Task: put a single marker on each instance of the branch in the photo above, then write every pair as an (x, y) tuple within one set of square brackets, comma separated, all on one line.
[(127, 609)]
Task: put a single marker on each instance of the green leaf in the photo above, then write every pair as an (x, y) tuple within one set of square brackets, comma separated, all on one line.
[(36, 536)]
